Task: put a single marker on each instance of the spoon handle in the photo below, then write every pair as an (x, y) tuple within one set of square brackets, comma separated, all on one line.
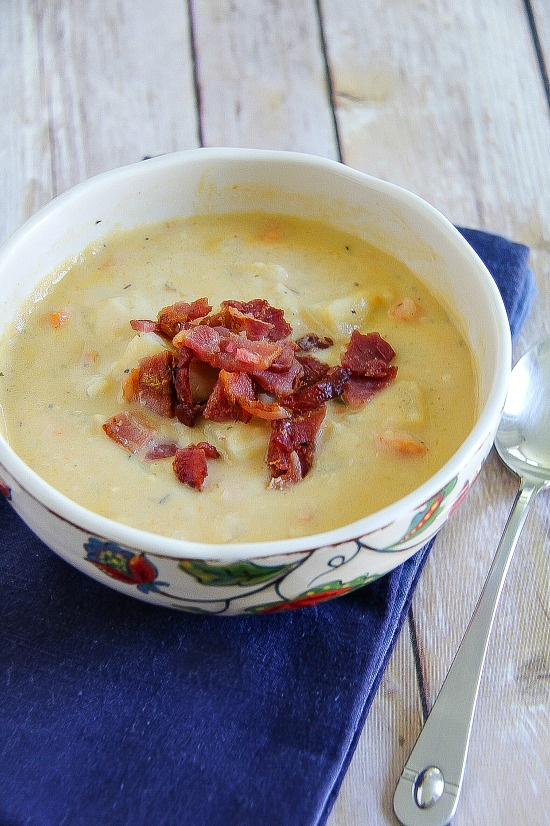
[(428, 789)]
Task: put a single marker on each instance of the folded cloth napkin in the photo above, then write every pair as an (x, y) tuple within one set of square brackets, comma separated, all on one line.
[(117, 712)]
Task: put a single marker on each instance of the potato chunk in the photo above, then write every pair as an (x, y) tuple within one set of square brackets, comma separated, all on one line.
[(403, 404), (340, 317), (139, 347)]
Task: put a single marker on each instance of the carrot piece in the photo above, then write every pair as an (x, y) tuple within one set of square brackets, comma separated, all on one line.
[(57, 318), (89, 357), (401, 443), (270, 233)]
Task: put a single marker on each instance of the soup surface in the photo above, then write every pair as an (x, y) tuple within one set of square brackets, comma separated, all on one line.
[(64, 361)]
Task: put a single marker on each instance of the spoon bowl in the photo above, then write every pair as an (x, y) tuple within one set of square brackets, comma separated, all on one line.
[(522, 440), (430, 784)]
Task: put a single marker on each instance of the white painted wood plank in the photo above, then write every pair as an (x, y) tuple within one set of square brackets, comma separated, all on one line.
[(541, 17), (366, 793), (119, 83), (445, 99), (262, 76), (25, 160)]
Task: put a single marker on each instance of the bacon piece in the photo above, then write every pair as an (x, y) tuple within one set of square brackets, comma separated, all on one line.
[(210, 451), (184, 409), (367, 355), (203, 340), (237, 321), (280, 383), (219, 408), (313, 369), (238, 387), (264, 410), (291, 447), (239, 390), (250, 355), (137, 436), (291, 475), (360, 389), (263, 311), (145, 325), (312, 341), (190, 463), (171, 320), (329, 386), (227, 351), (164, 450), (285, 359), (155, 383)]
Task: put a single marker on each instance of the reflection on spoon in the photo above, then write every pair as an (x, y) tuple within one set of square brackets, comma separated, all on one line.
[(429, 786)]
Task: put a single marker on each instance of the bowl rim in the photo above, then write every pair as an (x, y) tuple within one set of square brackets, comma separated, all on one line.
[(484, 428)]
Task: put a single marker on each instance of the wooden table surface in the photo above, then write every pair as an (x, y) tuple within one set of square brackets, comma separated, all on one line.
[(449, 98)]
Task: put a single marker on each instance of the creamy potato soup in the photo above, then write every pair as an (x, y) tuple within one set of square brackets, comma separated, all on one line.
[(71, 363)]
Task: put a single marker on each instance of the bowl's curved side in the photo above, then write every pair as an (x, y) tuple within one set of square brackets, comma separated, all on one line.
[(227, 179), (234, 584)]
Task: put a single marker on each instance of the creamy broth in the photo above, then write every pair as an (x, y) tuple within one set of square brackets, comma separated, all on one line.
[(64, 361)]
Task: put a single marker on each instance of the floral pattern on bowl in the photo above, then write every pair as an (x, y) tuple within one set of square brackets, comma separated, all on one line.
[(255, 585)]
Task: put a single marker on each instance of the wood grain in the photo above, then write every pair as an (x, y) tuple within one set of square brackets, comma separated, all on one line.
[(262, 76)]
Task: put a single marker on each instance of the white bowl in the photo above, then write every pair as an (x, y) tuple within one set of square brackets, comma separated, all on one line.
[(266, 576)]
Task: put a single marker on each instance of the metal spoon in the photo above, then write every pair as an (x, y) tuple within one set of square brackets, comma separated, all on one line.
[(429, 787)]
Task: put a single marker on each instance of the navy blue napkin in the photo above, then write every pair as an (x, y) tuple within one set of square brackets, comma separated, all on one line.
[(119, 713)]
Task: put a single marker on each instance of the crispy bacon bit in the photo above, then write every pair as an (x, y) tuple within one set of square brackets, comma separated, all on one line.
[(285, 359), (238, 322), (329, 386), (237, 386), (368, 355), (313, 369), (171, 320), (155, 384), (314, 342), (264, 410), (291, 447), (190, 463), (145, 325), (279, 383), (359, 389), (219, 408), (239, 390), (137, 436), (244, 349), (263, 311), (225, 350), (183, 409), (210, 451), (162, 451)]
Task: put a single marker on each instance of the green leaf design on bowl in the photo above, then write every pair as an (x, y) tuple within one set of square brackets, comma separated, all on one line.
[(241, 573)]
